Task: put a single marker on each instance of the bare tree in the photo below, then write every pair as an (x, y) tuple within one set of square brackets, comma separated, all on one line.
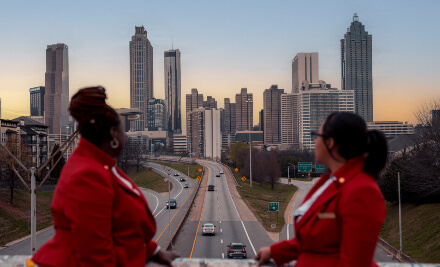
[(273, 172), (22, 153)]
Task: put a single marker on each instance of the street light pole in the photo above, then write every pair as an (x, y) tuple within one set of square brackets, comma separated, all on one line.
[(250, 145)]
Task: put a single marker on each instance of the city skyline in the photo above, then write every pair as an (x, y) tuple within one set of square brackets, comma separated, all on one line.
[(223, 49)]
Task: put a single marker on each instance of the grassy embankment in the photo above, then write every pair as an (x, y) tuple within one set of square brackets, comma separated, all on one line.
[(14, 223), (420, 230), (258, 197)]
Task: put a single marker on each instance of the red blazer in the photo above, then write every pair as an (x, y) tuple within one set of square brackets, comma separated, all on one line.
[(342, 226), (98, 220)]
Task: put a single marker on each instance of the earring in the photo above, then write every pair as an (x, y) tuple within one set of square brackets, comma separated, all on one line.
[(114, 143)]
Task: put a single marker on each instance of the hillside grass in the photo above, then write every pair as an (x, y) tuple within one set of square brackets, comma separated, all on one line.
[(258, 197), (14, 223), (420, 230), (147, 178)]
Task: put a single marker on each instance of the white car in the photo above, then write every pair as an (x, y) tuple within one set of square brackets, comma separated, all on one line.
[(222, 172), (208, 229)]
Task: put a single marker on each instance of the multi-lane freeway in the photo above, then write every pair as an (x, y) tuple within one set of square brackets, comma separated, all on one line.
[(233, 220)]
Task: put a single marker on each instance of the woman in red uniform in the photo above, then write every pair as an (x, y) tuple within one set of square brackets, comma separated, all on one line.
[(338, 223), (100, 216)]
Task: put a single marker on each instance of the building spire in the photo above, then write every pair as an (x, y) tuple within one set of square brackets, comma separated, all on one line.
[(355, 17)]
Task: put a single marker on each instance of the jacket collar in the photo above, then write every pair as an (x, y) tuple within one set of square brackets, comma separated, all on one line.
[(343, 175), (87, 149)]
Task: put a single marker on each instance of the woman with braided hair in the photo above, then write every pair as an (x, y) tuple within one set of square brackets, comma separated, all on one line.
[(339, 221), (100, 216)]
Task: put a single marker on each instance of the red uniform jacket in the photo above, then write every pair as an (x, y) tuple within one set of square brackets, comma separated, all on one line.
[(342, 226), (98, 220)]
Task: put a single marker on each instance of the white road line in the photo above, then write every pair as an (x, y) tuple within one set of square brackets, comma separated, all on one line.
[(223, 255), (157, 199), (221, 241), (242, 223), (221, 230)]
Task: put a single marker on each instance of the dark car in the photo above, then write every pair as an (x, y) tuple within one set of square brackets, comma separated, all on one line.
[(237, 250), (211, 187), (186, 186), (176, 174), (217, 175), (172, 204), (182, 179)]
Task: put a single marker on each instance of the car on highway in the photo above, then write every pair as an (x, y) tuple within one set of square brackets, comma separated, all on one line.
[(217, 175), (176, 174), (172, 204), (211, 187), (222, 172), (237, 250), (208, 229), (182, 179), (186, 186)]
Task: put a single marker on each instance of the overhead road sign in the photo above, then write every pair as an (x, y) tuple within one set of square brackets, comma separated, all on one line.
[(304, 166)]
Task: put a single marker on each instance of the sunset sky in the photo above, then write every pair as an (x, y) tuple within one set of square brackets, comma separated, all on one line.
[(225, 45)]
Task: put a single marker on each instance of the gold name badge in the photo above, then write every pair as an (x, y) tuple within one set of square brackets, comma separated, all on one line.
[(326, 215)]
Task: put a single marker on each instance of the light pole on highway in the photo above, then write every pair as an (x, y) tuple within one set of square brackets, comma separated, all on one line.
[(249, 101)]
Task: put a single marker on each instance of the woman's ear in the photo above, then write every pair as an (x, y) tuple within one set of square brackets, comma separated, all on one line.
[(113, 133), (330, 142)]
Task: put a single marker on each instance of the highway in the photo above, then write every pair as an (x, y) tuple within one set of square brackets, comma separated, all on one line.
[(232, 224)]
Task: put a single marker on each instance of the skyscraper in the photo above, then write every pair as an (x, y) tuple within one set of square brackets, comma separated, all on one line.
[(56, 98), (244, 110), (210, 102), (141, 75), (356, 68), (272, 114), (304, 68), (193, 100), (290, 115), (203, 132), (156, 115), (172, 89), (317, 102), (37, 100)]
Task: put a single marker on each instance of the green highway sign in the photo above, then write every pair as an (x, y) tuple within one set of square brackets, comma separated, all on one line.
[(304, 166), (274, 206), (320, 168)]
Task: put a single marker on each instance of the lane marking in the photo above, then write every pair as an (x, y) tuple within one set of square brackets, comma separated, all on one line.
[(168, 225), (242, 223), (223, 255), (221, 241), (221, 230), (198, 226)]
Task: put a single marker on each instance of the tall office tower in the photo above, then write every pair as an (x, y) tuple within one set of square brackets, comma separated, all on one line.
[(156, 115), (203, 132), (193, 100), (272, 114), (317, 102), (290, 115), (37, 100), (229, 122), (261, 118), (357, 68), (141, 76), (210, 102), (0, 108), (244, 110), (304, 68), (172, 90), (56, 98)]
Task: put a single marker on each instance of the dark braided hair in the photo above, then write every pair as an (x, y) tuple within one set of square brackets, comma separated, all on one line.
[(95, 118), (350, 134)]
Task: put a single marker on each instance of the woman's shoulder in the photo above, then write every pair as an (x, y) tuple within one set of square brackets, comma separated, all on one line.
[(80, 168)]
